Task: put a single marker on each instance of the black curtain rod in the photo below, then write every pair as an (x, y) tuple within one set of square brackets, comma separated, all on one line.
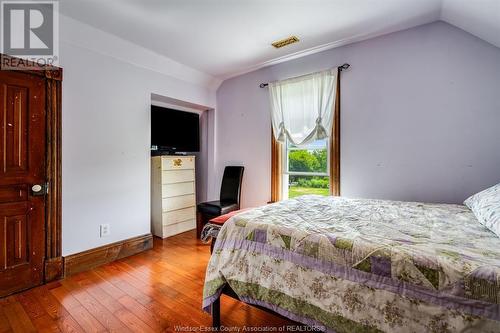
[(341, 68)]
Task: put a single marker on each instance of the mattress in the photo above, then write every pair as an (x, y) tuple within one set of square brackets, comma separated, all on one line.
[(347, 265)]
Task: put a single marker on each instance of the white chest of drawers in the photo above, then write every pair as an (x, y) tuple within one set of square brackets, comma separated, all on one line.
[(173, 195)]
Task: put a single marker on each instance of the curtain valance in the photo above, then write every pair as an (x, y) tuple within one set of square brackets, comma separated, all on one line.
[(302, 108)]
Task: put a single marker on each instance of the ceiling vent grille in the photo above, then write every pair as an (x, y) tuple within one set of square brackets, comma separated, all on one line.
[(284, 42)]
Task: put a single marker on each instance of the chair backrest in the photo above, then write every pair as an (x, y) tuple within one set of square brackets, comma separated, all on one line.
[(230, 190)]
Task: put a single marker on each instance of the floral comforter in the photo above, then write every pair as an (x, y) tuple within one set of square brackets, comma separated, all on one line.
[(352, 265)]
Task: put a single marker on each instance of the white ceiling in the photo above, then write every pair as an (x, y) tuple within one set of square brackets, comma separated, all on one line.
[(224, 38)]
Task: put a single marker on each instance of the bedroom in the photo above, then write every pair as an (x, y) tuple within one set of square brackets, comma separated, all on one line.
[(417, 121)]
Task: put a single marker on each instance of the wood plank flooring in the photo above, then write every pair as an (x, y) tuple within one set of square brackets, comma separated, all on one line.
[(159, 290)]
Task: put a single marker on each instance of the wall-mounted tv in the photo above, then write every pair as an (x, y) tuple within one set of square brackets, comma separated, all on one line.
[(174, 131)]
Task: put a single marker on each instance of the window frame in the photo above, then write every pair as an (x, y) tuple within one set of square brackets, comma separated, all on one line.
[(285, 172)]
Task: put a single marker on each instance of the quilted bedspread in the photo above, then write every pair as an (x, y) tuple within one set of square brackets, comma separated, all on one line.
[(352, 265)]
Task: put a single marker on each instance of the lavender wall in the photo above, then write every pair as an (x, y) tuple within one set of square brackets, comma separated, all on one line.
[(106, 134), (420, 117)]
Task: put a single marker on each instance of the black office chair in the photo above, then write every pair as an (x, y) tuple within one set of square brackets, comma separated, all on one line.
[(229, 199)]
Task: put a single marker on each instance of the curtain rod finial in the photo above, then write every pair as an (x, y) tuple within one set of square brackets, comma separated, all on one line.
[(345, 66)]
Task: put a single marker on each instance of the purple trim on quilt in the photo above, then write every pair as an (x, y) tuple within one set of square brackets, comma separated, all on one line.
[(207, 302), (260, 235), (380, 266), (285, 313), (476, 307)]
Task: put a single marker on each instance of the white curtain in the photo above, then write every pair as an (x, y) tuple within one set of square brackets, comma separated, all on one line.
[(302, 108)]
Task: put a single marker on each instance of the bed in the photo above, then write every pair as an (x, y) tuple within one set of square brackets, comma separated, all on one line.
[(358, 265)]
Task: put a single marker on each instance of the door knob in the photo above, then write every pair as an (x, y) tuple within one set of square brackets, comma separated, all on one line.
[(36, 188), (40, 189)]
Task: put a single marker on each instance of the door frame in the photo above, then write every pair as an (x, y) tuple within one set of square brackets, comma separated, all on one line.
[(53, 263)]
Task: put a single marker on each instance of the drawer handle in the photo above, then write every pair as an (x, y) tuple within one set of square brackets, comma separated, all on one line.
[(177, 162)]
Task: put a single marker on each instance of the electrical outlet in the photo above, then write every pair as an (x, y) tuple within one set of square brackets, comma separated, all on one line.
[(105, 230)]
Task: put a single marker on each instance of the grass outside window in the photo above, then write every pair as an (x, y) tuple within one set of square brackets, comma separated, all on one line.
[(306, 169)]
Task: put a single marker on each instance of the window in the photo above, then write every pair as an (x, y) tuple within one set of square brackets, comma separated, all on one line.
[(310, 169), (305, 169)]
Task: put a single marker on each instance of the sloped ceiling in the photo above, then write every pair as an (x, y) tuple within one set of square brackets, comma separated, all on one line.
[(478, 17), (224, 38)]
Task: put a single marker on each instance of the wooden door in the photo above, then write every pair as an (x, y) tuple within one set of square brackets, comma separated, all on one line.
[(22, 167)]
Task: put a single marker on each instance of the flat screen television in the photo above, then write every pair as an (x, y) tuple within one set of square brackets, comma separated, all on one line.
[(174, 131)]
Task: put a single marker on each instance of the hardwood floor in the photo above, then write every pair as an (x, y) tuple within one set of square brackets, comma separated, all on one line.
[(154, 291)]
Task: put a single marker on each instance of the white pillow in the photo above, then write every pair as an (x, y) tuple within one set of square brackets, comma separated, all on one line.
[(486, 206)]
